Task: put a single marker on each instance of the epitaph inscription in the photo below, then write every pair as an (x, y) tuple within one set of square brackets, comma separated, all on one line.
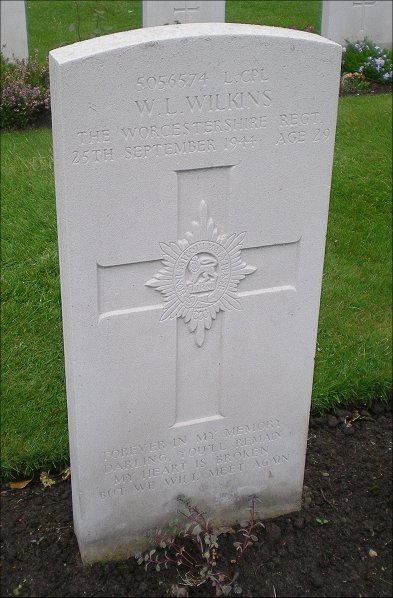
[(201, 274), (190, 457)]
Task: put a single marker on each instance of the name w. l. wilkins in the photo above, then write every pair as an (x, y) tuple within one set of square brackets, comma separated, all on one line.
[(213, 102)]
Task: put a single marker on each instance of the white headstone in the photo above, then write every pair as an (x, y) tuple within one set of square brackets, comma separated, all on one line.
[(168, 12), (353, 20), (13, 29), (193, 167)]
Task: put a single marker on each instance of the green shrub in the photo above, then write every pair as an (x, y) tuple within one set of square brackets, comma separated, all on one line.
[(368, 59), (25, 96)]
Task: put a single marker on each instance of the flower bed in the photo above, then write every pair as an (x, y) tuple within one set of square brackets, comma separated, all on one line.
[(25, 96)]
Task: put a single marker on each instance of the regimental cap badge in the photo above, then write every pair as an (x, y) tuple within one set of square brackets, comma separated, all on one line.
[(200, 275)]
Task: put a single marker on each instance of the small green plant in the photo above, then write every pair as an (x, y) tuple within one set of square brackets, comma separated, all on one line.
[(354, 82), (25, 95), (192, 546), (368, 59), (321, 520), (99, 16)]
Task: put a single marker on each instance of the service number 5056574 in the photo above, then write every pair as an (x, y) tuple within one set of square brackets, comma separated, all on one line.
[(170, 81)]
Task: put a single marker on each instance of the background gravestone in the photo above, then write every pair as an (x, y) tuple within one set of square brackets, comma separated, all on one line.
[(192, 202), (168, 12), (13, 29), (354, 20)]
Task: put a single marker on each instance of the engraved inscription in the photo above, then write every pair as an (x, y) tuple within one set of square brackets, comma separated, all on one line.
[(212, 102), (193, 127), (174, 115), (301, 127), (200, 275), (193, 458), (170, 81), (252, 75), (157, 102)]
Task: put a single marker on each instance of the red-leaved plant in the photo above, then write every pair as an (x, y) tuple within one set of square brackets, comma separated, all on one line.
[(193, 546)]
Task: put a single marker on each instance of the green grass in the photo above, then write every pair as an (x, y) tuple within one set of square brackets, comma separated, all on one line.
[(289, 13), (353, 358), (354, 342), (33, 412), (54, 23)]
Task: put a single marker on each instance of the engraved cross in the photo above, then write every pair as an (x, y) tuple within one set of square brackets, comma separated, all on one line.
[(125, 289), (186, 13), (363, 4)]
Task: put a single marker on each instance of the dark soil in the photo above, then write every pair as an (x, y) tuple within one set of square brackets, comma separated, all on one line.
[(339, 544)]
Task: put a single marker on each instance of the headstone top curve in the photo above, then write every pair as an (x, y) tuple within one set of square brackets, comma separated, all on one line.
[(134, 37)]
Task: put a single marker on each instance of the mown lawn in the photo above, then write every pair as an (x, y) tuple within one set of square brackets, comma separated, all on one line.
[(282, 13), (33, 405), (353, 359), (53, 23)]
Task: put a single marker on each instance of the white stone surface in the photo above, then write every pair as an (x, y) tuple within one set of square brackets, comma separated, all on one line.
[(158, 156), (13, 29), (354, 20), (168, 12)]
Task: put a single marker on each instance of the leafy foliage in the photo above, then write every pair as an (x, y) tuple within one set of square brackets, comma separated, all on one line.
[(368, 59), (193, 548), (25, 95), (99, 14)]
